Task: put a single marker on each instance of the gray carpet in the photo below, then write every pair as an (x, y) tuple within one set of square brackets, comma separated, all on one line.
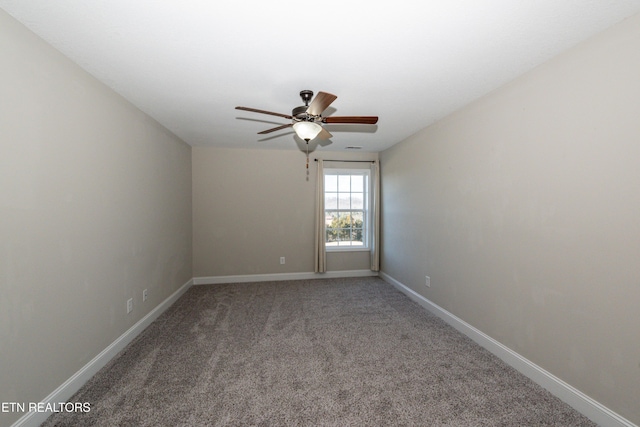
[(334, 352)]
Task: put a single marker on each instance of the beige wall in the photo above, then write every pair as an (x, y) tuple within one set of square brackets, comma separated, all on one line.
[(524, 209), (95, 206), (250, 207)]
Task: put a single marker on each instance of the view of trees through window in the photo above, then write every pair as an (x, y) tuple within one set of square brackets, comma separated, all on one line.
[(344, 230), (345, 203)]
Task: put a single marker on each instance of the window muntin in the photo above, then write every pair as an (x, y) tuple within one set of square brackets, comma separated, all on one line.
[(346, 209)]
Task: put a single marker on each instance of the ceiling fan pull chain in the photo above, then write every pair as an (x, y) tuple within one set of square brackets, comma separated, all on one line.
[(307, 156)]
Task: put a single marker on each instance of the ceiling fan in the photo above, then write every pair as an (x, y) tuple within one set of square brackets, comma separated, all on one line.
[(306, 120)]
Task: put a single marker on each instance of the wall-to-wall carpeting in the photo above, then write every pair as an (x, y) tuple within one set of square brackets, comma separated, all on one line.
[(309, 352)]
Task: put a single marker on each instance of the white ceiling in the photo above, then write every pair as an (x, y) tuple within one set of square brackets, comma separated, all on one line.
[(188, 63)]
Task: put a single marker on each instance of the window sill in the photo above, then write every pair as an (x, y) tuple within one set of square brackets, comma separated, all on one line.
[(347, 249)]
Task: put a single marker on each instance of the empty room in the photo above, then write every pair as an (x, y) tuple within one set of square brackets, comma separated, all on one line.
[(342, 213)]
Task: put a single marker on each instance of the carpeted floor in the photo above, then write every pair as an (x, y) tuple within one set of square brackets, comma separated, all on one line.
[(334, 352)]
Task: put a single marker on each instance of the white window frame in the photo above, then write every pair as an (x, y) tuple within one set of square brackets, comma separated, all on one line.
[(366, 226)]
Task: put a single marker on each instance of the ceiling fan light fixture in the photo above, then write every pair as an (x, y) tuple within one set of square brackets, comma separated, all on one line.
[(307, 130)]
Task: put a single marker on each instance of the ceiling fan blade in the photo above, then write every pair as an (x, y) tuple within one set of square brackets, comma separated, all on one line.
[(364, 120), (253, 110), (275, 129), (320, 103), (324, 134)]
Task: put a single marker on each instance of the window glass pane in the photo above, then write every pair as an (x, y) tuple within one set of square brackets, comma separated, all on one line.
[(344, 201), (356, 235), (331, 183), (344, 183), (358, 218), (330, 217), (357, 201), (344, 220), (357, 183), (330, 200)]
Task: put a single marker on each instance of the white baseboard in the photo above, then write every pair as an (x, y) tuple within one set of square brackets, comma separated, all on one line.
[(73, 384), (587, 406), (216, 280)]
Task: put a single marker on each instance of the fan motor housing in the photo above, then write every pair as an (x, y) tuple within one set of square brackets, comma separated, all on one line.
[(300, 112)]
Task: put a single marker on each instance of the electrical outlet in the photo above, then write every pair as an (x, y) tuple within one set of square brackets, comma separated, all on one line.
[(281, 260), (427, 281), (129, 305), (145, 295)]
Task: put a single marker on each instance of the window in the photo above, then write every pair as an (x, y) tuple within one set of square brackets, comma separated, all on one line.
[(346, 204)]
